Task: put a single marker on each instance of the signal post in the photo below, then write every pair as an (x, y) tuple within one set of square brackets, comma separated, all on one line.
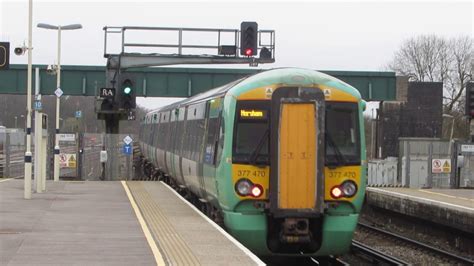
[(470, 108)]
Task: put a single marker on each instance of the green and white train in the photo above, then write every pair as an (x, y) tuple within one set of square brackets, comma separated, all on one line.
[(278, 156)]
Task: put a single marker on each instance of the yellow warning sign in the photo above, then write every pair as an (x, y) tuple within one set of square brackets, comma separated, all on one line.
[(72, 161), (446, 167)]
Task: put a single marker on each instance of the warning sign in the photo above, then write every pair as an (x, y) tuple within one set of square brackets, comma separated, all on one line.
[(327, 93), (67, 160), (72, 161), (268, 93), (62, 160), (441, 166)]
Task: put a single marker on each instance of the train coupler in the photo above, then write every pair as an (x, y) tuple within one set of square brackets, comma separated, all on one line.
[(295, 230)]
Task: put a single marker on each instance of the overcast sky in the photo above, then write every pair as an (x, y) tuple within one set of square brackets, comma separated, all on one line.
[(331, 35)]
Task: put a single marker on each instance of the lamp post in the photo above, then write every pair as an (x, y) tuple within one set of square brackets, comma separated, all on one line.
[(28, 166), (59, 28)]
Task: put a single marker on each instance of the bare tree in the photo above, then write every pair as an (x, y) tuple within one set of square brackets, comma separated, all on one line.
[(434, 58), (461, 72)]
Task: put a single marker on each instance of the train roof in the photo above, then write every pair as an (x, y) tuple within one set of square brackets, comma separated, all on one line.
[(285, 76)]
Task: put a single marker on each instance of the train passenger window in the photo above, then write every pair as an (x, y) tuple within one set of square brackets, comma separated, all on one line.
[(251, 137), (220, 146), (214, 107), (342, 134)]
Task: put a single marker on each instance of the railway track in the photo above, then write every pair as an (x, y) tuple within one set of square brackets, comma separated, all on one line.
[(375, 256), (446, 256)]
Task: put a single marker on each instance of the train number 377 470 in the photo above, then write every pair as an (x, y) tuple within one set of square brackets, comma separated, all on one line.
[(348, 174)]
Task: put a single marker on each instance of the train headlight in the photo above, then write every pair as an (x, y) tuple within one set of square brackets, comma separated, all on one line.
[(349, 188), (256, 191), (243, 187), (336, 192)]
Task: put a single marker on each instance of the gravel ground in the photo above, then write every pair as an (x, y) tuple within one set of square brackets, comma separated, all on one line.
[(443, 238), (406, 252)]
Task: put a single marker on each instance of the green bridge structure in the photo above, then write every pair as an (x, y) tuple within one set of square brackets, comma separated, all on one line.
[(175, 81)]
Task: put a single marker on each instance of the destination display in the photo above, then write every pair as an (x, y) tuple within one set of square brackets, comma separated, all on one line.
[(253, 114)]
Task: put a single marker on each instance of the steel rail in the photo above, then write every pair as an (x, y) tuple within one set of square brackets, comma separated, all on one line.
[(375, 254), (417, 243)]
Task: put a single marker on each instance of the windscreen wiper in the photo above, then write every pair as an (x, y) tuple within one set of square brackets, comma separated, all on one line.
[(256, 152), (340, 160)]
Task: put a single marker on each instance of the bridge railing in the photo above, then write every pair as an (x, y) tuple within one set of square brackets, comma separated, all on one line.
[(183, 41)]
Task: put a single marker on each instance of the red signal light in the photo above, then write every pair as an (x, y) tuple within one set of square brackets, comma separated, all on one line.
[(336, 192), (248, 52), (256, 191)]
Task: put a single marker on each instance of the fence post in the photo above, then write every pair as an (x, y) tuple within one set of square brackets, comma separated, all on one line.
[(7, 155), (430, 166), (2, 157), (454, 164), (408, 158), (80, 153)]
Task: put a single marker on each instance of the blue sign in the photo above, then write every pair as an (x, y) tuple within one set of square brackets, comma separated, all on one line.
[(38, 105), (127, 149), (78, 114)]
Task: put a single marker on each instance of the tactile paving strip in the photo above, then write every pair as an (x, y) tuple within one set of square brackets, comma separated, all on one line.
[(173, 247)]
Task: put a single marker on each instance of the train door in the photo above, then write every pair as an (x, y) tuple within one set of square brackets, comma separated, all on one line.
[(296, 138)]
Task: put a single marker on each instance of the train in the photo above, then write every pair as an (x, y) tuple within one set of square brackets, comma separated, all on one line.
[(278, 158)]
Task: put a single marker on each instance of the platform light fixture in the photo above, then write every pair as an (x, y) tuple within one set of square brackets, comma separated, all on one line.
[(59, 28)]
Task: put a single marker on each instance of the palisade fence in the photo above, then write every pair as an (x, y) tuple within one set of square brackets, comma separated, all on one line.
[(12, 153), (465, 164), (79, 158), (119, 165), (426, 163)]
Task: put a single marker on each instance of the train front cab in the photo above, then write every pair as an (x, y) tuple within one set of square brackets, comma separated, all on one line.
[(313, 188)]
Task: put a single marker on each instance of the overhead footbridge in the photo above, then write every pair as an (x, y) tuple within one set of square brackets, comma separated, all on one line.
[(176, 81)]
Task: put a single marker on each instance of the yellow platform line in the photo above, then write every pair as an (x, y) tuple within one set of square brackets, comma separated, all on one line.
[(441, 194), (149, 238)]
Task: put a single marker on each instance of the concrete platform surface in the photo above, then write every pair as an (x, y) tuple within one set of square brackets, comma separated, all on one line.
[(73, 223), (184, 235), (450, 207), (110, 223)]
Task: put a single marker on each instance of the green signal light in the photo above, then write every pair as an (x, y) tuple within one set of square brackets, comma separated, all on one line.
[(127, 90)]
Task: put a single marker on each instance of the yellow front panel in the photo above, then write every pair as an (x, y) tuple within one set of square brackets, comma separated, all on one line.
[(297, 158)]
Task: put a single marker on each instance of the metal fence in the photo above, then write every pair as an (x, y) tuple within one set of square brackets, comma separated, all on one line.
[(383, 172), (119, 165), (464, 166), (79, 156), (68, 157), (12, 152), (90, 166), (425, 163)]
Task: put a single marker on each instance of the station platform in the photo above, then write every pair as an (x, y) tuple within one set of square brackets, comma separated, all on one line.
[(450, 207), (110, 223)]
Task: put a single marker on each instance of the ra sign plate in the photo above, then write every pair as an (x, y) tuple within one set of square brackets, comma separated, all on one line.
[(58, 92), (107, 92)]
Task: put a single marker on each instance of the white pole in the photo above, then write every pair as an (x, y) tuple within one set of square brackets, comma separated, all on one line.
[(27, 177), (58, 85), (38, 138)]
